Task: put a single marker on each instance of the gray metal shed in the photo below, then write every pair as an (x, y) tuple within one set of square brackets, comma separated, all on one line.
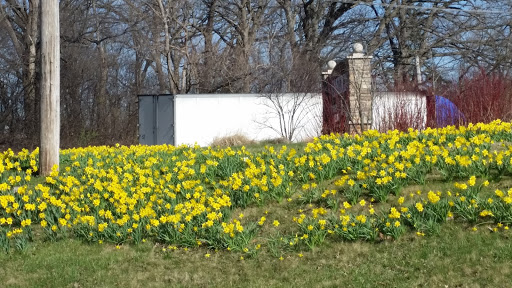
[(156, 119)]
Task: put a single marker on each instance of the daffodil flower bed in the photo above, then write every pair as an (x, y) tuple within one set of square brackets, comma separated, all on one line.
[(350, 187)]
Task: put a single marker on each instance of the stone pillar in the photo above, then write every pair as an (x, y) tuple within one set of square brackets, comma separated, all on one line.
[(331, 65), (360, 90)]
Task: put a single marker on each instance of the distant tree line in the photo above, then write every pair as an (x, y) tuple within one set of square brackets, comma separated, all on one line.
[(113, 50)]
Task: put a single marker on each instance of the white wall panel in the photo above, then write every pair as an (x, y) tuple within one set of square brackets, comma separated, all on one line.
[(201, 118), (391, 109)]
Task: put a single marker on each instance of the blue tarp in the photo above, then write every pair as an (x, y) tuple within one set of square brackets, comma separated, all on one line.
[(447, 113)]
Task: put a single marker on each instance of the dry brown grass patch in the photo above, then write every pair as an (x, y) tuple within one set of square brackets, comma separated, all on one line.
[(232, 140)]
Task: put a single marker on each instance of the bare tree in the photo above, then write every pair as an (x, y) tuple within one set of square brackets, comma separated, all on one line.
[(113, 50), (427, 30), (288, 114), (20, 21)]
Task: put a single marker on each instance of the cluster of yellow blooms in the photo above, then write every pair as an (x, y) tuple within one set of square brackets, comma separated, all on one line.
[(185, 195)]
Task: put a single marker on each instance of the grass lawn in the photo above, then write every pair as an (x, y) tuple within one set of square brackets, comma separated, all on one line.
[(457, 257)]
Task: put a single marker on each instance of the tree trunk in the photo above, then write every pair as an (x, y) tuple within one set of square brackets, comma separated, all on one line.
[(101, 93), (208, 70), (29, 81), (173, 83)]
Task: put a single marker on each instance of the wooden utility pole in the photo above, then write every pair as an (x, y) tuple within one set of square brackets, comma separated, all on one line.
[(50, 86)]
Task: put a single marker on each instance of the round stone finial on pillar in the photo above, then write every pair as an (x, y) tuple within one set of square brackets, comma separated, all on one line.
[(358, 48), (331, 64)]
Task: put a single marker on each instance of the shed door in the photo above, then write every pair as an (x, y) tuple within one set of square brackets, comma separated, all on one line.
[(146, 123), (165, 119)]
